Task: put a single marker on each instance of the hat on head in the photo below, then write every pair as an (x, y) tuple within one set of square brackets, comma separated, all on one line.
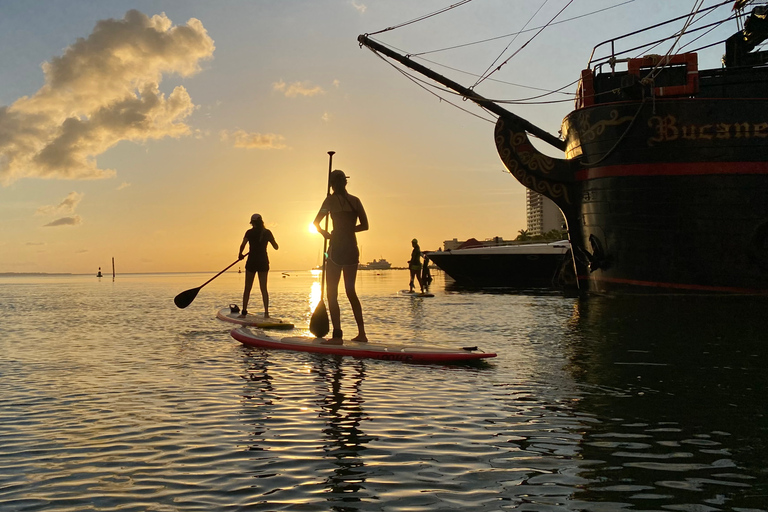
[(337, 175), (255, 218), (414, 241)]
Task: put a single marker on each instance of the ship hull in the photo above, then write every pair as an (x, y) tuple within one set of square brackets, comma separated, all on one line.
[(678, 202)]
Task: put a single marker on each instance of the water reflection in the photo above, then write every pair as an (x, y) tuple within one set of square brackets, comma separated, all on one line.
[(340, 404), (677, 385), (327, 389)]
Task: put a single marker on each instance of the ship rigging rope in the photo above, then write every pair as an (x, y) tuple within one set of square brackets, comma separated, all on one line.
[(424, 17), (486, 74), (688, 22), (424, 84), (515, 34)]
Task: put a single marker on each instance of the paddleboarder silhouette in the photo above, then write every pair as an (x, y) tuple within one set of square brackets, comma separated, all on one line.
[(414, 265), (349, 217), (257, 237)]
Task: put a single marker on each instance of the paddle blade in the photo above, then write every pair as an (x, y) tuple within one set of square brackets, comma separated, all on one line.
[(184, 299), (318, 323)]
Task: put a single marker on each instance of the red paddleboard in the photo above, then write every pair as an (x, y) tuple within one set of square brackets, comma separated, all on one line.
[(371, 350)]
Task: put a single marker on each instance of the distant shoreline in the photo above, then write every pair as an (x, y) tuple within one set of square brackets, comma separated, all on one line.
[(22, 274)]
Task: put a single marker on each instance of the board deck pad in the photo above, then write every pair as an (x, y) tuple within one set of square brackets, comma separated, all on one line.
[(413, 353), (252, 320)]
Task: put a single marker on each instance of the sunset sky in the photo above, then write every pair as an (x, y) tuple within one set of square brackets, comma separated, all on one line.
[(150, 131)]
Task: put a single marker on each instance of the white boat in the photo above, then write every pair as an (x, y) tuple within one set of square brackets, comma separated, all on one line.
[(535, 265), (381, 264)]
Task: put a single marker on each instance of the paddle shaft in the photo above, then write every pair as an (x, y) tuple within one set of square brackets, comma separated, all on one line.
[(325, 240), (217, 275)]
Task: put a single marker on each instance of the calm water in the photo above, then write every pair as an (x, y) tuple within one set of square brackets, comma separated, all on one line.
[(113, 399)]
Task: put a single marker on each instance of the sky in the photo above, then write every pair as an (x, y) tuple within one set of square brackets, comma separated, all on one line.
[(150, 131)]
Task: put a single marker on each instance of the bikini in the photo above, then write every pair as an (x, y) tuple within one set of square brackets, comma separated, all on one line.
[(343, 247)]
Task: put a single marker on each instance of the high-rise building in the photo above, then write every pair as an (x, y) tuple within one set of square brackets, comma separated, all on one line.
[(543, 215)]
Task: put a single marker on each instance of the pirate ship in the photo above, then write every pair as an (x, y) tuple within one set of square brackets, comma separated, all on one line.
[(664, 176)]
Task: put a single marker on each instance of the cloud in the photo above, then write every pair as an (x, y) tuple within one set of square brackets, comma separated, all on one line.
[(326, 117), (67, 205), (297, 89), (102, 90), (243, 139), (33, 244), (65, 221), (123, 185), (360, 7)]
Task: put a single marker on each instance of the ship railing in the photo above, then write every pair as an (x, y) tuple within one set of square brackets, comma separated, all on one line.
[(614, 56)]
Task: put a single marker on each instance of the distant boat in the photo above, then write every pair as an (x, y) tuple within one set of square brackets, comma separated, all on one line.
[(536, 265), (381, 264)]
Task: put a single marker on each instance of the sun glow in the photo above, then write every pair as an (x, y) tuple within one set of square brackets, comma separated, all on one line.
[(311, 228)]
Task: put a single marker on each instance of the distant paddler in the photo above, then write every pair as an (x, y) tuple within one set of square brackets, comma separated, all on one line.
[(414, 265), (257, 237)]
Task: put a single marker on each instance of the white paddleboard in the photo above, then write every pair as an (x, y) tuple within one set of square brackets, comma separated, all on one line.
[(252, 319), (416, 294)]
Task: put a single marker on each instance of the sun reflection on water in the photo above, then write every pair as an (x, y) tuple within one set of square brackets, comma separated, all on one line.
[(314, 292)]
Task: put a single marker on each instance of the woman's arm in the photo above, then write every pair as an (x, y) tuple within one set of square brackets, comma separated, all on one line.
[(242, 246), (362, 216), (324, 212)]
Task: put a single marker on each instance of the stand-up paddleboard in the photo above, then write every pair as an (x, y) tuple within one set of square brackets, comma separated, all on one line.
[(233, 314), (416, 294), (385, 351)]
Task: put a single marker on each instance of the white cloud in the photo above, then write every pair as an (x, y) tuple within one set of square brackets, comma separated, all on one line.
[(297, 89), (243, 139), (358, 6), (65, 221), (67, 205), (103, 89), (123, 185)]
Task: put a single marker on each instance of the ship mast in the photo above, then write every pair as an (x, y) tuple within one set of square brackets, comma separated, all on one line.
[(467, 93)]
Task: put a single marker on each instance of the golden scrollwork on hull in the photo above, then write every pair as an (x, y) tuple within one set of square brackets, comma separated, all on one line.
[(530, 167), (588, 131)]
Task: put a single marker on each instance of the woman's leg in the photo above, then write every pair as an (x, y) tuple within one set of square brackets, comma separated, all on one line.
[(410, 283), (350, 274), (264, 293), (247, 292), (332, 278)]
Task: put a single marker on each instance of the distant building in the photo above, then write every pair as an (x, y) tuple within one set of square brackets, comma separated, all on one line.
[(543, 215)]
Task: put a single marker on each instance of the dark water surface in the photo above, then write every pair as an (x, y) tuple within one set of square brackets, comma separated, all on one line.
[(113, 399)]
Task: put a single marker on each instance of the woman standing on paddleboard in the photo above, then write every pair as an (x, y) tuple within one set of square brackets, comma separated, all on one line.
[(414, 265), (257, 237), (343, 256)]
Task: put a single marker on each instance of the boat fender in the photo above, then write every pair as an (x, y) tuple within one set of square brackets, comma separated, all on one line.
[(233, 308)]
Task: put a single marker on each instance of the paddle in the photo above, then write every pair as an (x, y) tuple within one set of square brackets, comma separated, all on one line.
[(318, 322), (184, 299)]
